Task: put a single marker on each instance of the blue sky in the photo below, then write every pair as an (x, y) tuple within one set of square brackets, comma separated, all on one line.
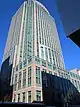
[(71, 52)]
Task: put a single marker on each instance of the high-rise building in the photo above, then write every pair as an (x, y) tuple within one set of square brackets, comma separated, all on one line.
[(33, 47)]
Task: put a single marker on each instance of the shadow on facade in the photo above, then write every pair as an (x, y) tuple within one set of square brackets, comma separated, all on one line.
[(58, 91), (6, 89)]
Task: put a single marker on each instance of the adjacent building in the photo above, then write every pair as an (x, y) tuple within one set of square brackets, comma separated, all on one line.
[(74, 36), (75, 78), (60, 91), (5, 78)]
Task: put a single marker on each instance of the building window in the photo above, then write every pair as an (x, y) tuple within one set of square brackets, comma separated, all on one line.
[(67, 77), (24, 63), (46, 54), (20, 65), (19, 83), (29, 76), (49, 65), (38, 95), (73, 81), (53, 57), (50, 56), (29, 60), (55, 73), (38, 75), (40, 36), (54, 68), (62, 75), (76, 83), (18, 97), (23, 96), (37, 60), (14, 98), (50, 72), (15, 83), (42, 53), (56, 58), (44, 70), (29, 96), (24, 79), (44, 63), (17, 68)]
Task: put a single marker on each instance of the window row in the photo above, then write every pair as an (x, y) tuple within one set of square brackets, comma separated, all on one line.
[(20, 81), (76, 83), (75, 75), (64, 75), (26, 97), (37, 61)]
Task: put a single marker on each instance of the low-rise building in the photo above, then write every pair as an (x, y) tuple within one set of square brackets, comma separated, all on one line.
[(58, 90), (75, 78)]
